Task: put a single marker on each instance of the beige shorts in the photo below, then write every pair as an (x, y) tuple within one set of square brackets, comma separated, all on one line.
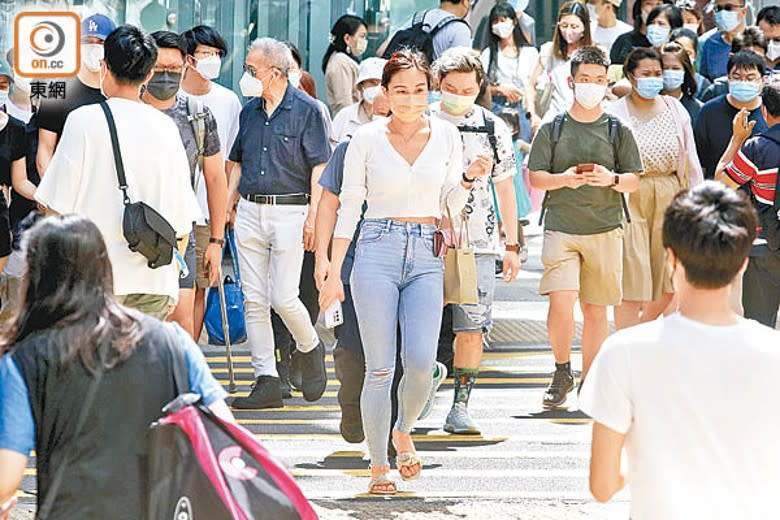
[(202, 235), (589, 264)]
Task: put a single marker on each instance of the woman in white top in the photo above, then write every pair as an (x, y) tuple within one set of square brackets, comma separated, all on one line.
[(408, 168), (572, 33), (346, 123), (349, 40)]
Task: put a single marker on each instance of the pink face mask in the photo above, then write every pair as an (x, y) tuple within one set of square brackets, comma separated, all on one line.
[(572, 35)]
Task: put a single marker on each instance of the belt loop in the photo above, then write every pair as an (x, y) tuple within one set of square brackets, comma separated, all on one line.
[(388, 225)]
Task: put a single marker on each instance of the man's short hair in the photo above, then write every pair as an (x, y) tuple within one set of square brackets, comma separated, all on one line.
[(169, 40), (129, 54), (769, 14), (751, 37), (204, 35), (590, 55), (770, 97), (746, 60), (459, 59), (275, 53), (710, 229)]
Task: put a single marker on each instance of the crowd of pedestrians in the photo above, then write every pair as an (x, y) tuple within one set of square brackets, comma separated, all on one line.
[(418, 162)]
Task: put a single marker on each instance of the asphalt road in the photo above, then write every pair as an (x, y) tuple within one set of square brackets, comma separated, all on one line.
[(527, 464)]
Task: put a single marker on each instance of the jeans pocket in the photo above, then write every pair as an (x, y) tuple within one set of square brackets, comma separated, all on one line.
[(370, 233)]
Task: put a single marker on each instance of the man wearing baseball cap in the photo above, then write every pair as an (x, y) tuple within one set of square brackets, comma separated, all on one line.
[(352, 117), (84, 89), (604, 24)]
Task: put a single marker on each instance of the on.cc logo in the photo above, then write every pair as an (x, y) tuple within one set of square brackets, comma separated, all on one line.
[(47, 39)]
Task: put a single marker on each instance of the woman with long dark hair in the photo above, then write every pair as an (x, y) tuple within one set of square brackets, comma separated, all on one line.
[(572, 32), (680, 79), (348, 41), (71, 338)]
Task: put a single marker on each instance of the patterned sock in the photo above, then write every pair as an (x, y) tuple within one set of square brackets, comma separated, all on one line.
[(464, 379)]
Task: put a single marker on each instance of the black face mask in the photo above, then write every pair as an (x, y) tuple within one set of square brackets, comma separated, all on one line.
[(164, 85)]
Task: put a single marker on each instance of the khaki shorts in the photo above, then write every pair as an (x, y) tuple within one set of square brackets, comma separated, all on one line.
[(202, 235), (154, 305), (589, 264)]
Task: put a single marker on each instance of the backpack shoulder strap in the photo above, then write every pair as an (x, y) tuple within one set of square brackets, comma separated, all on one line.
[(445, 22), (196, 114), (419, 18), (490, 125), (613, 128), (118, 163), (555, 135)]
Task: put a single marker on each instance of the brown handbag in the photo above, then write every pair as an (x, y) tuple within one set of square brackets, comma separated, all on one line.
[(460, 266)]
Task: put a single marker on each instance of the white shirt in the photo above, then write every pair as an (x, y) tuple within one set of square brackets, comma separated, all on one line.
[(557, 71), (19, 113), (346, 122), (225, 107), (81, 178), (696, 403), (480, 208), (513, 71), (606, 36), (375, 172)]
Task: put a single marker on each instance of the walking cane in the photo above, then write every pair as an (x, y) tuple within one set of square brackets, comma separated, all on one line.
[(226, 332)]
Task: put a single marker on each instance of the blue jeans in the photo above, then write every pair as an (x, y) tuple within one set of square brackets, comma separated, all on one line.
[(396, 280)]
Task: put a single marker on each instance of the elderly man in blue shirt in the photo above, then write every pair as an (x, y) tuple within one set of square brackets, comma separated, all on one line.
[(280, 152)]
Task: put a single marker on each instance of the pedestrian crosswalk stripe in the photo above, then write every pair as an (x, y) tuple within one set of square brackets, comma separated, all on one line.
[(335, 422), (480, 382), (487, 355), (415, 438), (465, 453), (459, 473), (519, 370)]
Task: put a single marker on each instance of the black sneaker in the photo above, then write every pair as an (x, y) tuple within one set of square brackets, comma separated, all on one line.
[(295, 376), (265, 394), (284, 380), (312, 368), (560, 386), (351, 426)]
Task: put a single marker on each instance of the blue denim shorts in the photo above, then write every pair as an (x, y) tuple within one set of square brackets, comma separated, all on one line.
[(478, 317)]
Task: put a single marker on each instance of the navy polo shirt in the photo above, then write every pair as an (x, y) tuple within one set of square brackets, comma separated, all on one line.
[(277, 153), (713, 131), (715, 57)]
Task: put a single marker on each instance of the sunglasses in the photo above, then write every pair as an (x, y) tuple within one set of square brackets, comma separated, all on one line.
[(727, 7)]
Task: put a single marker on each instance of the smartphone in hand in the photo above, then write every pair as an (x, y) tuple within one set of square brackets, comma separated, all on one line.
[(585, 168)]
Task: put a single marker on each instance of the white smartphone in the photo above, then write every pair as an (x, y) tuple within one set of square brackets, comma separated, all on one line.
[(334, 316)]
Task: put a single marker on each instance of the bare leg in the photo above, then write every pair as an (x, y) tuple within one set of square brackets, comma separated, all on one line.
[(199, 313), (594, 331), (628, 314), (182, 314), (560, 323), (654, 309)]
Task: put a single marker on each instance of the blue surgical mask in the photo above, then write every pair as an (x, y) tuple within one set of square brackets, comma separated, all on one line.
[(649, 88), (673, 79), (3, 97), (657, 35), (743, 91), (727, 21), (434, 96)]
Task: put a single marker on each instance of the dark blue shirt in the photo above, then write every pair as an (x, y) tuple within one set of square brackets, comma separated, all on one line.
[(331, 179), (713, 131), (277, 154), (715, 57)]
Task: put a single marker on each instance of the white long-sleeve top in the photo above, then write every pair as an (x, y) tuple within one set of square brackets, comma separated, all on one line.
[(376, 173)]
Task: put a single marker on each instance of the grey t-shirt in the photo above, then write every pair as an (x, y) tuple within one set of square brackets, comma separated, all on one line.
[(454, 34), (180, 116)]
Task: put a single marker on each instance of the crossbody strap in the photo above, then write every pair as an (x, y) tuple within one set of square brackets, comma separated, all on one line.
[(120, 167)]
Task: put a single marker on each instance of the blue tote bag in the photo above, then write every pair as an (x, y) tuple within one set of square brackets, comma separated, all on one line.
[(234, 301)]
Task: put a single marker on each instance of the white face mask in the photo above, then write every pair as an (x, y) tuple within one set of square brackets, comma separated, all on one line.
[(3, 96), (503, 29), (370, 93), (209, 67), (773, 51), (250, 86), (294, 78), (589, 95), (360, 47), (694, 27), (21, 83), (91, 54)]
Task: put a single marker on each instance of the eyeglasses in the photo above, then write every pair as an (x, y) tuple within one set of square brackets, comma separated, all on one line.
[(253, 71), (172, 70), (727, 7)]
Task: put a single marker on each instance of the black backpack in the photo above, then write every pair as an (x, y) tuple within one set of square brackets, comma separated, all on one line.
[(419, 36), (613, 125), (490, 129)]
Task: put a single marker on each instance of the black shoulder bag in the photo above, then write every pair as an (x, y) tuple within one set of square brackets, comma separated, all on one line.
[(146, 231)]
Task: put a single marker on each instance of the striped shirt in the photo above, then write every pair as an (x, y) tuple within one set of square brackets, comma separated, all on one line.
[(757, 162)]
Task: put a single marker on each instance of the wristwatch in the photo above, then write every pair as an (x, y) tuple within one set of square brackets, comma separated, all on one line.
[(219, 241), (466, 179), (616, 180), (512, 248)]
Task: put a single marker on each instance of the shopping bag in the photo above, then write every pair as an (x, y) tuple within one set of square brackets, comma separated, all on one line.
[(234, 299), (460, 269)]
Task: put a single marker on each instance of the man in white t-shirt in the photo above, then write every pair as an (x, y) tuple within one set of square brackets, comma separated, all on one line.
[(205, 48), (81, 177), (687, 395), (604, 24)]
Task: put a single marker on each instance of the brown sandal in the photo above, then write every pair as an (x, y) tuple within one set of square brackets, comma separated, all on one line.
[(379, 482)]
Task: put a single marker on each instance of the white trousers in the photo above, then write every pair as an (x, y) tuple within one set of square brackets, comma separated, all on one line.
[(270, 256)]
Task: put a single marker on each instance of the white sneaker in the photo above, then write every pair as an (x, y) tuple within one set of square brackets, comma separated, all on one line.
[(439, 375)]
